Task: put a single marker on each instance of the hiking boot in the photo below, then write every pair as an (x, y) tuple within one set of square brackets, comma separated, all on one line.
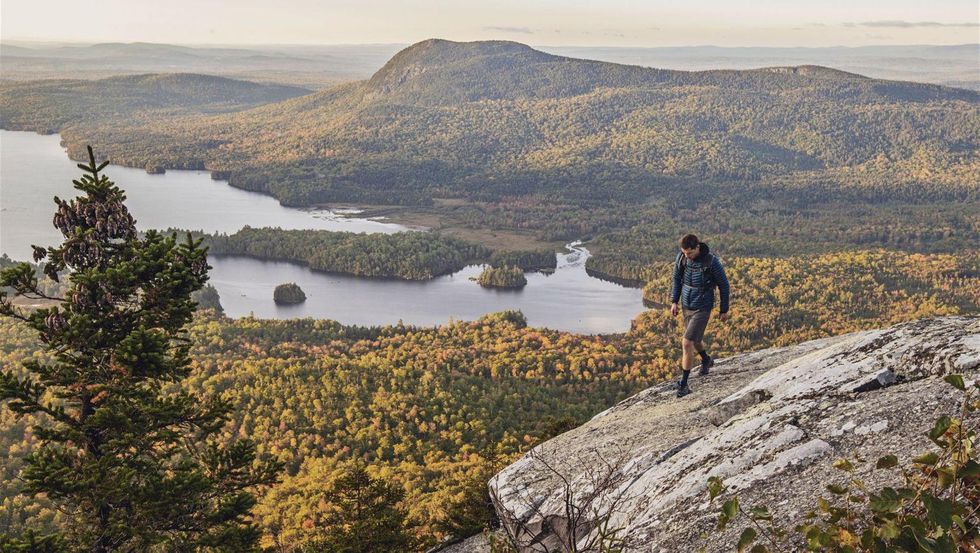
[(683, 389), (705, 365)]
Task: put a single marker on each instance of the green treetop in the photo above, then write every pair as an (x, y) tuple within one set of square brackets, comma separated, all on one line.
[(365, 518)]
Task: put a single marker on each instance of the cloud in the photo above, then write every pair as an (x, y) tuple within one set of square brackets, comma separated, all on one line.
[(519, 30), (899, 24)]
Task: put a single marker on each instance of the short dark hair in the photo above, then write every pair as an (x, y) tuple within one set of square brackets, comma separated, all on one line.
[(689, 242)]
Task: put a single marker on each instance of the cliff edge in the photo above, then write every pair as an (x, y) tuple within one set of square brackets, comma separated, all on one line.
[(770, 423)]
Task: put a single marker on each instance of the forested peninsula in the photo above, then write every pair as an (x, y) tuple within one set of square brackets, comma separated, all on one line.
[(403, 255)]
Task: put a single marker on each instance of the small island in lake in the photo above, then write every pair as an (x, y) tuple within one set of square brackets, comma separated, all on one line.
[(289, 293), (208, 298), (502, 277)]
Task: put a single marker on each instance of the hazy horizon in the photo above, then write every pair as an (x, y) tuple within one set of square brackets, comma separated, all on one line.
[(320, 65), (29, 42), (617, 23)]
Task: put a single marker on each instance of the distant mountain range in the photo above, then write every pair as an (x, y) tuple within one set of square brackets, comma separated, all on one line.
[(319, 66), (313, 67), (492, 119)]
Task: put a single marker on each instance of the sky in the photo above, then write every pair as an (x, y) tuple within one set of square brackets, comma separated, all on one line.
[(539, 22)]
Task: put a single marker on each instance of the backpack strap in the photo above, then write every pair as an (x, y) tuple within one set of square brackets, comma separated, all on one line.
[(681, 263), (706, 271)]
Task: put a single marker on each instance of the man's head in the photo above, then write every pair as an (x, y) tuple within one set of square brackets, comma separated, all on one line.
[(691, 246)]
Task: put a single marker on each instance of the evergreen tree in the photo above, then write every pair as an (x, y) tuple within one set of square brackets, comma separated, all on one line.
[(470, 507), (125, 451), (365, 517)]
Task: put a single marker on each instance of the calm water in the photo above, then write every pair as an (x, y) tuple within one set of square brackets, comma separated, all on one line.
[(568, 299), (34, 168)]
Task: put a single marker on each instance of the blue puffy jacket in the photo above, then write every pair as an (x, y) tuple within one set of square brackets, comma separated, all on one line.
[(689, 281)]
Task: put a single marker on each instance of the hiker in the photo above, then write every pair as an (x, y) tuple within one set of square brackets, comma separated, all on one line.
[(696, 273)]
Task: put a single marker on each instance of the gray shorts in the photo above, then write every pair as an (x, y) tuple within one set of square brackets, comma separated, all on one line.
[(695, 322)]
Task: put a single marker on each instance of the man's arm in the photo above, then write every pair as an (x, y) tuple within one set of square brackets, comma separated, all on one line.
[(675, 290), (724, 289)]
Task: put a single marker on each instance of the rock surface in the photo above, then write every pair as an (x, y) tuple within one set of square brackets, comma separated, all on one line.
[(475, 544), (770, 423)]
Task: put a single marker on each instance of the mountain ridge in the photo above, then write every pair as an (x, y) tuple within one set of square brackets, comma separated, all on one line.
[(494, 70), (467, 61), (813, 71), (493, 119)]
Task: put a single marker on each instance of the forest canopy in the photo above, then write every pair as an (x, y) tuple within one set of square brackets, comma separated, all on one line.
[(433, 409)]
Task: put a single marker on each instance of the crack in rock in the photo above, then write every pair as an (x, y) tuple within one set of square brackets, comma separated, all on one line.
[(722, 412)]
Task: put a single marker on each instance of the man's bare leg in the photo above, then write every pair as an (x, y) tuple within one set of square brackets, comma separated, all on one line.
[(687, 361)]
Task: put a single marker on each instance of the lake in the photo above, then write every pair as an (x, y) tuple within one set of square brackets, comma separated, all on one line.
[(34, 168)]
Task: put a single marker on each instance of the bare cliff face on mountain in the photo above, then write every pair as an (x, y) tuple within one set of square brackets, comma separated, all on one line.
[(770, 423)]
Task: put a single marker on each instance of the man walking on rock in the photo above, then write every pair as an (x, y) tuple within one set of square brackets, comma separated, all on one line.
[(696, 274)]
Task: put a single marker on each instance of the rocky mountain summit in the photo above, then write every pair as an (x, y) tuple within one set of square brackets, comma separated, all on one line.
[(770, 423)]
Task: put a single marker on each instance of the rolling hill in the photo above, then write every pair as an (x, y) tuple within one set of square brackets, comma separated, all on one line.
[(51, 105), (491, 120)]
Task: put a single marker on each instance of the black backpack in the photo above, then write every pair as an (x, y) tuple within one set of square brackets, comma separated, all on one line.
[(707, 277)]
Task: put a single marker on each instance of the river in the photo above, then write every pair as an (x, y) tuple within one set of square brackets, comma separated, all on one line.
[(34, 168)]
